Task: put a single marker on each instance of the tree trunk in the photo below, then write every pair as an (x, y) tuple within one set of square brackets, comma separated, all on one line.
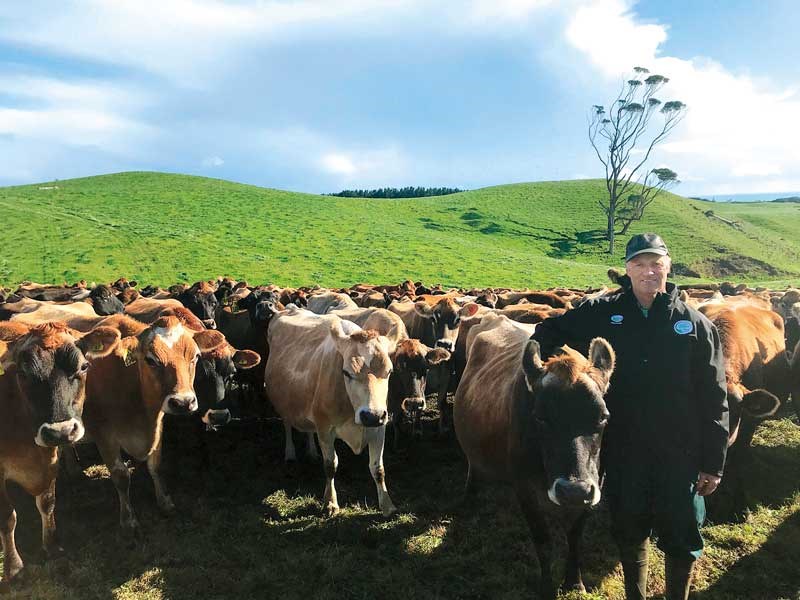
[(625, 227), (610, 232)]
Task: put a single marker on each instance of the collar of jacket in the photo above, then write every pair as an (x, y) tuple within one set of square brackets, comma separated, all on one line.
[(662, 302)]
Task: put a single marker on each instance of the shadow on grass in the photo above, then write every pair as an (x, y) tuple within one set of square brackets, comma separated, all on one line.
[(583, 242)]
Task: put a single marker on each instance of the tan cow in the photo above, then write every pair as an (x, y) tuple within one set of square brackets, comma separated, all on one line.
[(325, 302), (128, 393), (331, 377), (537, 426), (42, 388)]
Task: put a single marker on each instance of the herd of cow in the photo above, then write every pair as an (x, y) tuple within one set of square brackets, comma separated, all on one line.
[(105, 363)]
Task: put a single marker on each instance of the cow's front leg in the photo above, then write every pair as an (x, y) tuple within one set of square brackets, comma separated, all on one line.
[(289, 452), (121, 478), (445, 414), (330, 461), (12, 563), (573, 580), (540, 532), (313, 453), (375, 439), (165, 503), (46, 503)]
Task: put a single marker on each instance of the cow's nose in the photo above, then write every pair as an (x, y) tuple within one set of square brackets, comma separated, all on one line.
[(413, 404), (446, 344), (64, 432), (372, 418), (574, 493), (180, 404), (217, 418)]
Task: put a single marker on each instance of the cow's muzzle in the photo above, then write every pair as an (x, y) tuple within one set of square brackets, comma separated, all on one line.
[(57, 434), (573, 493), (216, 418), (180, 404), (412, 405), (371, 418)]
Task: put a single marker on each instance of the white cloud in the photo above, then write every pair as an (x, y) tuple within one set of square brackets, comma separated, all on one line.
[(735, 126), (213, 161), (338, 164)]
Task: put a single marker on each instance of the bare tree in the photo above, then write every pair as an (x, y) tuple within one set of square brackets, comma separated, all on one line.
[(631, 187)]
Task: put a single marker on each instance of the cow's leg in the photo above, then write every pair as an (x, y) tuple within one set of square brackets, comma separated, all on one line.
[(153, 463), (12, 563), (313, 453), (540, 532), (445, 418), (573, 580), (289, 454), (375, 440), (46, 503), (121, 478), (330, 461)]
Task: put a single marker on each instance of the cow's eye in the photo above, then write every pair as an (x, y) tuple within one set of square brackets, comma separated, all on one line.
[(152, 361), (346, 374), (456, 321)]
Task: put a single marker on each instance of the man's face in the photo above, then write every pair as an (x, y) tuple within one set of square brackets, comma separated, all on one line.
[(648, 273)]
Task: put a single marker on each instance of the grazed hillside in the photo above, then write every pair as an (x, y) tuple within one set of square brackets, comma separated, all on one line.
[(161, 228)]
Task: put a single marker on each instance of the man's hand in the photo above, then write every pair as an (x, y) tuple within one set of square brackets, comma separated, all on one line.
[(707, 483)]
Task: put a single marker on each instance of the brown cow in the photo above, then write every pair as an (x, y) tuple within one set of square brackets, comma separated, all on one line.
[(549, 298), (537, 426), (331, 377), (42, 387), (128, 393)]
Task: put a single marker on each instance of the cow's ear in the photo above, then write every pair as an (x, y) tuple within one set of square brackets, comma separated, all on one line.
[(434, 356), (11, 331), (186, 317), (128, 349), (99, 342), (532, 364), (246, 359), (208, 340), (468, 310), (340, 338), (6, 358), (602, 357), (133, 283), (423, 309), (760, 403)]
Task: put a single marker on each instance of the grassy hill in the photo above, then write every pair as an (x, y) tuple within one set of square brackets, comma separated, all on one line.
[(163, 228)]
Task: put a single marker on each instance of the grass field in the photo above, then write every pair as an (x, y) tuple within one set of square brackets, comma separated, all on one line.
[(161, 228), (250, 527)]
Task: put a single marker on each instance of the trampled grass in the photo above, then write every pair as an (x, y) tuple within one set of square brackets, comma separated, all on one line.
[(163, 228), (250, 527)]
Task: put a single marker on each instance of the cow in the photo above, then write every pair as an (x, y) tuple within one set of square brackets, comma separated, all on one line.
[(104, 301), (325, 302), (758, 376), (43, 373), (200, 299), (434, 321), (537, 425), (149, 310), (129, 391), (549, 298), (330, 377)]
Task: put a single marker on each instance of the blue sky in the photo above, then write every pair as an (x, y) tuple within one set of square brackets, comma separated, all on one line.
[(321, 95)]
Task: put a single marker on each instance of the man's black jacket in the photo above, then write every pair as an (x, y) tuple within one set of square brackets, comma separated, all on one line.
[(668, 392)]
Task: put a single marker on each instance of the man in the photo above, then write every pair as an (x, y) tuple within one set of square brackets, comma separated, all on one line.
[(665, 444)]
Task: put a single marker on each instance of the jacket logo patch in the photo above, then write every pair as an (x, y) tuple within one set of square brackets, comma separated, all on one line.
[(683, 327), (616, 319)]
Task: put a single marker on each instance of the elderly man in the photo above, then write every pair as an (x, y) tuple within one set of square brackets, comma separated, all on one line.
[(665, 444)]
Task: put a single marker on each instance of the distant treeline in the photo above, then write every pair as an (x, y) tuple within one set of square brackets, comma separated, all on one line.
[(788, 199), (406, 192)]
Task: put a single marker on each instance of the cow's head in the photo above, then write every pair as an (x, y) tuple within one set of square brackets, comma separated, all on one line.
[(200, 299), (756, 404), (444, 318), (216, 369), (166, 354), (568, 417), (50, 363), (366, 367), (261, 305), (104, 301), (411, 360)]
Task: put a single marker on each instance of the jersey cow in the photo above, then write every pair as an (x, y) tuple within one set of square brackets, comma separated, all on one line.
[(537, 426), (331, 377), (128, 393), (42, 387)]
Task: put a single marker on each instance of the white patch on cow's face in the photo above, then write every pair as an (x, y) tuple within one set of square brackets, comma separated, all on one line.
[(170, 336), (551, 494)]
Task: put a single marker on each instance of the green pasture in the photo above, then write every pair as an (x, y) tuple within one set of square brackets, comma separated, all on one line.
[(162, 228)]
